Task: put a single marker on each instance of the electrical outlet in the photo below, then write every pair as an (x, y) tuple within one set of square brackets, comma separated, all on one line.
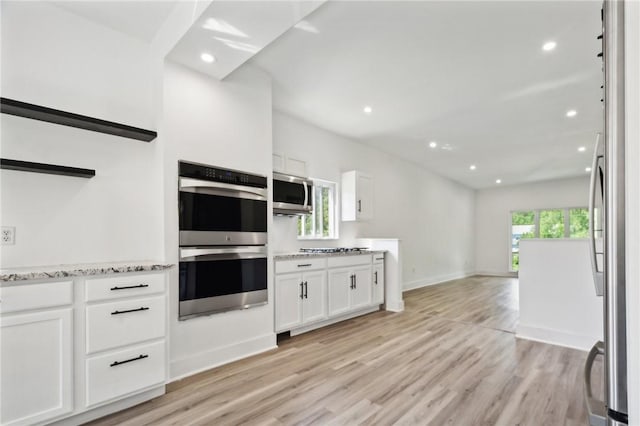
[(8, 235)]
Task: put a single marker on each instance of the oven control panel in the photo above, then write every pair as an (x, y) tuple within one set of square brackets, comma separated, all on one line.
[(216, 174)]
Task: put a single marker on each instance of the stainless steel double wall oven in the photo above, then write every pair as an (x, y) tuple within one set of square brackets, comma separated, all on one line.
[(223, 237)]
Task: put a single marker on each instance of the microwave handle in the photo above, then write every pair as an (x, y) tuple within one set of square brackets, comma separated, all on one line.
[(306, 193)]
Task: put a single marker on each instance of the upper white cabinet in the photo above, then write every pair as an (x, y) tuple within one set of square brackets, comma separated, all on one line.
[(36, 354), (289, 165), (357, 196)]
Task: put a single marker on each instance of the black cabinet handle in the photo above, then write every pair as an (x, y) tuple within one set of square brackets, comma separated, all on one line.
[(375, 274), (117, 363), (359, 206), (353, 285), (600, 55), (129, 310), (301, 290), (129, 287), (306, 290), (303, 265), (600, 37), (355, 282)]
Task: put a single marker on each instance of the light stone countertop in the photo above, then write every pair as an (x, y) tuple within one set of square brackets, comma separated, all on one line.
[(298, 255), (83, 269)]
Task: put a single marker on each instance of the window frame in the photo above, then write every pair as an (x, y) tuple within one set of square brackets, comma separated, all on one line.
[(333, 212), (566, 211)]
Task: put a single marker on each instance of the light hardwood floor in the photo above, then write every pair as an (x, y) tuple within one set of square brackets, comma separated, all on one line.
[(450, 358)]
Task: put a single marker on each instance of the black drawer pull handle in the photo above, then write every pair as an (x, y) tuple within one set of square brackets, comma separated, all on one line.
[(303, 265), (129, 286), (129, 310), (379, 258), (600, 55), (117, 363)]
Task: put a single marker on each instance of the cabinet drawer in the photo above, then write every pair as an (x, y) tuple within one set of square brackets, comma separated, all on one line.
[(123, 286), (119, 373), (300, 265), (22, 297), (342, 261), (124, 322)]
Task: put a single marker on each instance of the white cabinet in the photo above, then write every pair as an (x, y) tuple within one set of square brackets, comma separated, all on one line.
[(68, 346), (289, 165), (340, 287), (124, 336), (349, 289), (36, 356), (357, 196), (300, 299), (315, 291), (378, 279)]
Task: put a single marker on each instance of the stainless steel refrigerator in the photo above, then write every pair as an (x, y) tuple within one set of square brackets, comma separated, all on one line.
[(607, 214)]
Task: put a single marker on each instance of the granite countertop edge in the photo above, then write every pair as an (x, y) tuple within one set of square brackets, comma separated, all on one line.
[(298, 255), (63, 271)]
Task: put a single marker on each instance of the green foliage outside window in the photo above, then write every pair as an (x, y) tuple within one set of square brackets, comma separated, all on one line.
[(579, 223), (552, 223)]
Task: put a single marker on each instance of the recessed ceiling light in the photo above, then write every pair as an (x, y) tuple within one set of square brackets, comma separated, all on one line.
[(548, 46), (472, 167), (433, 144), (582, 149), (208, 58), (587, 169), (572, 113), (498, 181), (367, 109)]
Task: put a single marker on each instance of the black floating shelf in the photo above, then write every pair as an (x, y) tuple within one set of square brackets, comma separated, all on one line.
[(37, 112), (52, 169)]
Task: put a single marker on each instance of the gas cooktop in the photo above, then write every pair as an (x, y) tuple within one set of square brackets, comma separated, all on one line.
[(333, 249)]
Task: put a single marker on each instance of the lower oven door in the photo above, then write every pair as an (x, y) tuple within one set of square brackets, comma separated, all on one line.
[(221, 279)]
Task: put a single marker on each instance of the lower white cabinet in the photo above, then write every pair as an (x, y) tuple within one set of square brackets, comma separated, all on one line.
[(349, 289), (300, 299), (378, 279), (37, 365), (62, 355), (336, 288), (125, 371)]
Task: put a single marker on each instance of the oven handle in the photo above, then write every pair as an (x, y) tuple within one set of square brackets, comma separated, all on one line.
[(201, 254), (218, 188)]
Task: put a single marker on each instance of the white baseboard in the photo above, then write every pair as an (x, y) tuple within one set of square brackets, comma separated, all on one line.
[(202, 361), (498, 273), (425, 282), (394, 307), (556, 337)]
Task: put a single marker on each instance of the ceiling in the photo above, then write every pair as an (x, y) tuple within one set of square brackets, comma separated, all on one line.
[(471, 76), (141, 19)]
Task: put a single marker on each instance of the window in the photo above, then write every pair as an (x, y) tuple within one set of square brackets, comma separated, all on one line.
[(549, 223), (321, 224), (523, 225)]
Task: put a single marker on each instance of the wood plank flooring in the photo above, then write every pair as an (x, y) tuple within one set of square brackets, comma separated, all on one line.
[(450, 358)]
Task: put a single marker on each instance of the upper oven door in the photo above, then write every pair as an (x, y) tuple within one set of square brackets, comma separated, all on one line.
[(215, 213)]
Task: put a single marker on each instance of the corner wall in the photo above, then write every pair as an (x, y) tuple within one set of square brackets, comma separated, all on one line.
[(493, 219), (433, 216), (225, 124)]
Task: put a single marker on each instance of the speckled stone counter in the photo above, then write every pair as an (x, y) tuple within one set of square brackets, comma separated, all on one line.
[(61, 271), (298, 255)]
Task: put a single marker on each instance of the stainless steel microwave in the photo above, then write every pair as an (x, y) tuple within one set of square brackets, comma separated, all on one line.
[(292, 195)]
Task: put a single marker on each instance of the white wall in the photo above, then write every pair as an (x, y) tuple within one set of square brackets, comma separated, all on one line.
[(226, 124), (433, 216), (57, 59), (557, 298), (493, 219)]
